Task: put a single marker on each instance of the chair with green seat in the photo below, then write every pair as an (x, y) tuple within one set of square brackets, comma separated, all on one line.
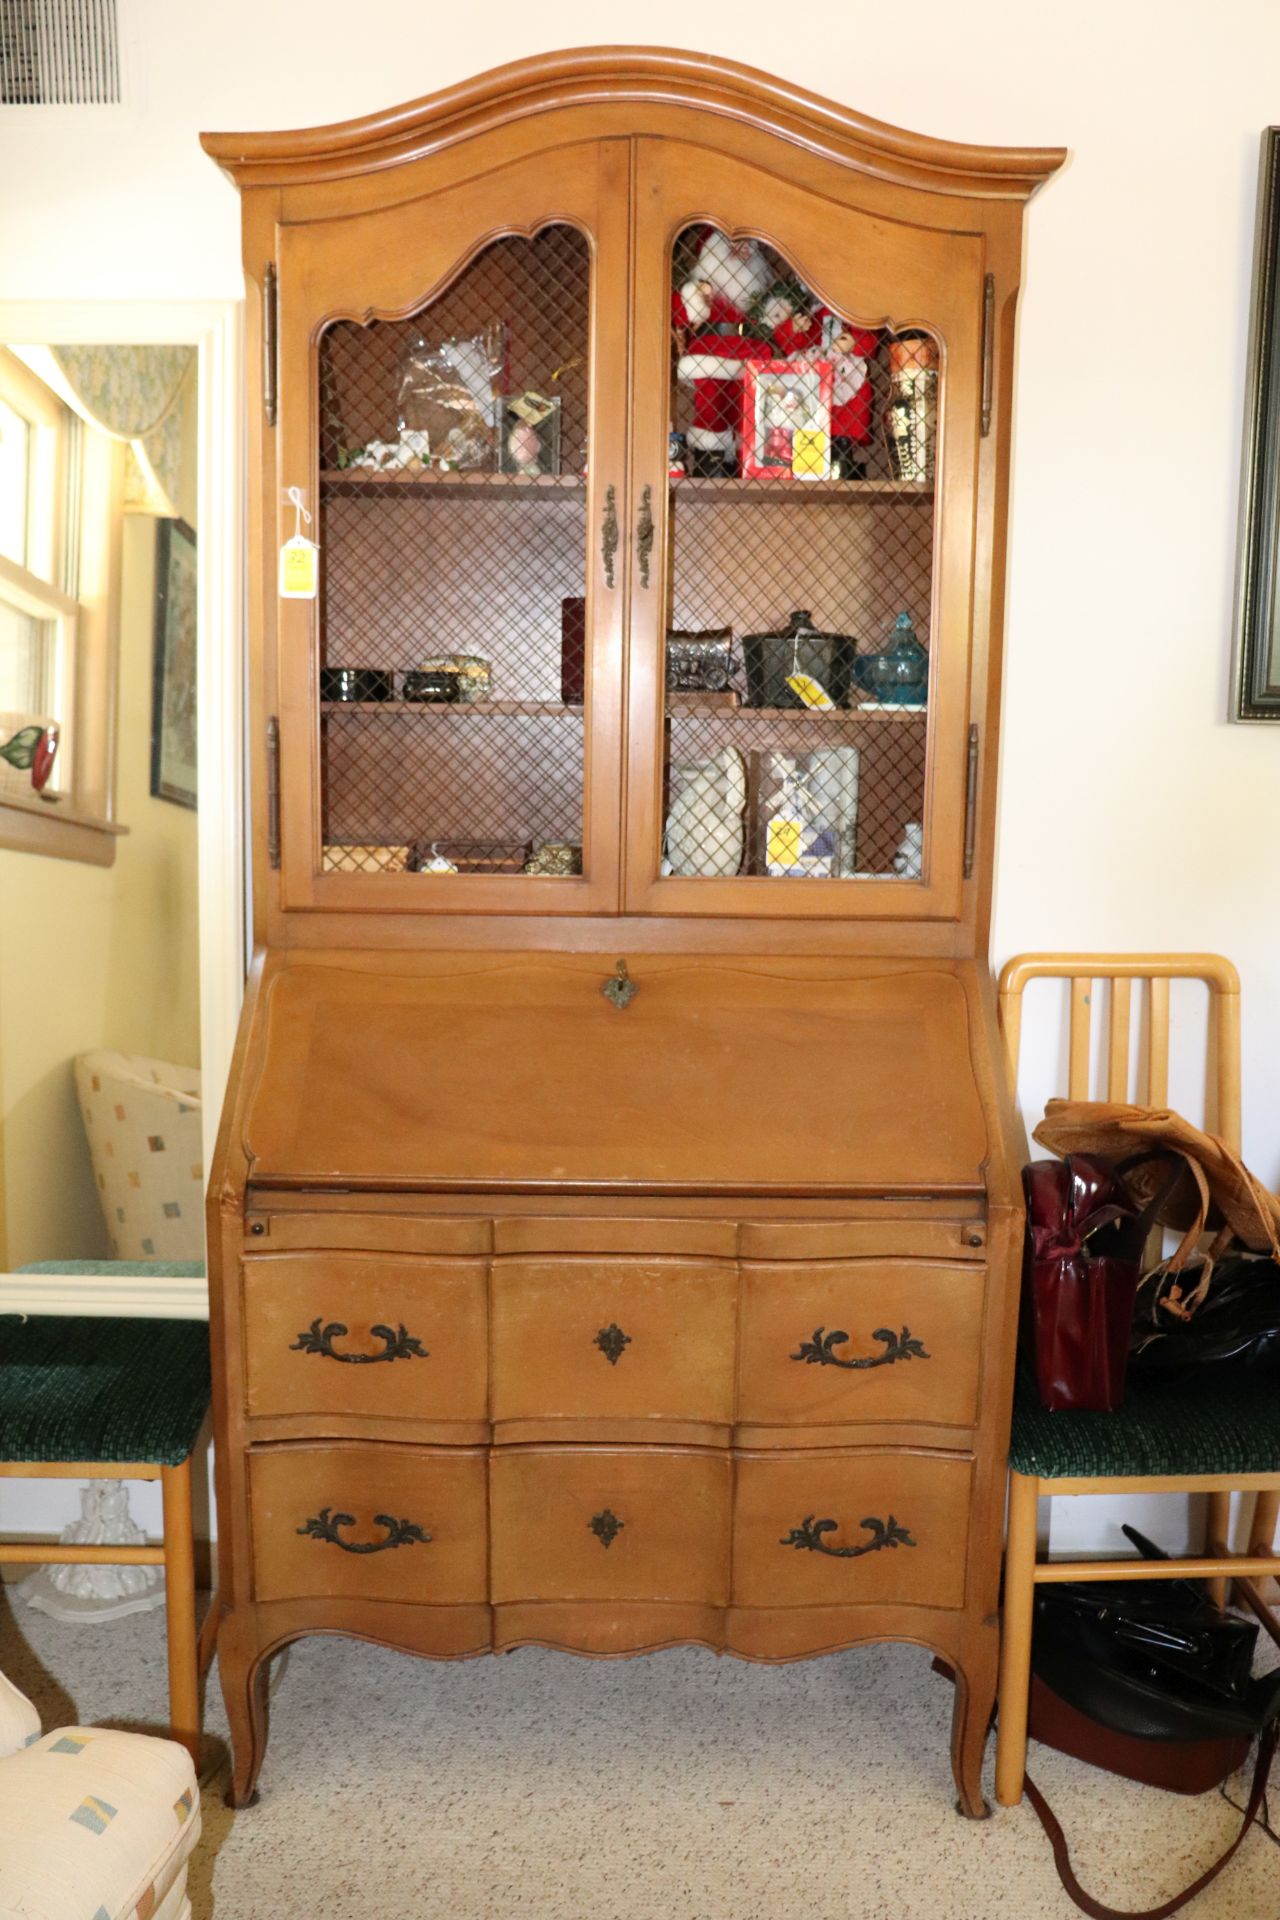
[(1220, 1438), (114, 1399)]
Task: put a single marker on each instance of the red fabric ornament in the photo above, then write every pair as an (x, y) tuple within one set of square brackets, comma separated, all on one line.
[(852, 414), (713, 367)]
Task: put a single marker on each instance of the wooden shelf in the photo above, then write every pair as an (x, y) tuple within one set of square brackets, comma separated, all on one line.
[(687, 709), (807, 717), (572, 485), (791, 492), (533, 709), (426, 481)]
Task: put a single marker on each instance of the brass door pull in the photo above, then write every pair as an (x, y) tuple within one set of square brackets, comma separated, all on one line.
[(644, 534), (609, 536)]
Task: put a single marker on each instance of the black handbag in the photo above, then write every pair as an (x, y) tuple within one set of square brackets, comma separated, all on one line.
[(1148, 1680), (1236, 1325)]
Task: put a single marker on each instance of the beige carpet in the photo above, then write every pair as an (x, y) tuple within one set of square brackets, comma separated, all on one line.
[(678, 1787)]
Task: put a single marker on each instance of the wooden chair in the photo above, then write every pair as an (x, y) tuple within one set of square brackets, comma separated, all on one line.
[(115, 1399), (1218, 1440)]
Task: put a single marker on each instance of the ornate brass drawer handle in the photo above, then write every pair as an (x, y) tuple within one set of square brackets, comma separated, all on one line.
[(400, 1533), (884, 1533), (606, 1527), (398, 1344), (611, 1340), (897, 1346)]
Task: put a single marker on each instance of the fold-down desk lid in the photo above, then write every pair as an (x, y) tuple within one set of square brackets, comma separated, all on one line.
[(515, 1072)]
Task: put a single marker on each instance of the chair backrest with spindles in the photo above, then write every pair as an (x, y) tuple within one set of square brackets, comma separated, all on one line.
[(1150, 1084)]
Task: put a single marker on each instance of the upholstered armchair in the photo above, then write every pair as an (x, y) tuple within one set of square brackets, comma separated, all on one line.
[(94, 1824), (142, 1121)]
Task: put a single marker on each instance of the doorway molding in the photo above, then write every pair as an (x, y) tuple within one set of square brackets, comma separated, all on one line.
[(215, 328)]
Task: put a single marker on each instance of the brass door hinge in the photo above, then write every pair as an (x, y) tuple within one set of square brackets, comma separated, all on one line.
[(270, 344), (971, 803), (273, 792), (988, 348)]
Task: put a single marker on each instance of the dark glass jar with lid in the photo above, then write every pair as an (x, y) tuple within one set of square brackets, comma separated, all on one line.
[(799, 647)]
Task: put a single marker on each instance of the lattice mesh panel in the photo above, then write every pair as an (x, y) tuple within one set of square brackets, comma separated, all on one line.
[(801, 567), (453, 571)]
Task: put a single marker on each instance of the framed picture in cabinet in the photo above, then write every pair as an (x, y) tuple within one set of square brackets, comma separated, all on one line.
[(786, 424), (527, 433), (1256, 679), (173, 695)]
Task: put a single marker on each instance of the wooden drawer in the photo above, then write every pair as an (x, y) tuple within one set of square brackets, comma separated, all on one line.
[(899, 1525), (366, 1336), (823, 1344), (368, 1523), (612, 1524), (614, 1339)]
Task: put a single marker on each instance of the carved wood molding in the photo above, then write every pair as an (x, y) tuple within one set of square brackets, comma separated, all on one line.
[(592, 76)]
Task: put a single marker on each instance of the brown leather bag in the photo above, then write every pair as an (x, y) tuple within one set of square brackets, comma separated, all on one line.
[(1218, 1190)]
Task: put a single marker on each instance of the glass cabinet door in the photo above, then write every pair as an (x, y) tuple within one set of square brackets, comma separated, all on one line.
[(447, 407), (806, 395)]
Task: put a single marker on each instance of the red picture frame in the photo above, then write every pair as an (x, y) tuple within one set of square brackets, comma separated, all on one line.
[(779, 399)]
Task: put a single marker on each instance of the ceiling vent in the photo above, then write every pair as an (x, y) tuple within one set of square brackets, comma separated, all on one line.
[(59, 53)]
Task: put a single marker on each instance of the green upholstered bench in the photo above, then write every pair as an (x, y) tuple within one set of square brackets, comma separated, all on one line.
[(114, 1399)]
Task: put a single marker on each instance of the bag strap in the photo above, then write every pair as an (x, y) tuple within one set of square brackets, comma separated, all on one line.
[(1095, 1908), (1147, 1219)]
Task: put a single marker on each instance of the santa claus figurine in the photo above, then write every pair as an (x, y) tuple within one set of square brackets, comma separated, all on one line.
[(731, 287), (728, 280)]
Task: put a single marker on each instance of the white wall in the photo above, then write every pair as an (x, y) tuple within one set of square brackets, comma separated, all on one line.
[(1132, 815)]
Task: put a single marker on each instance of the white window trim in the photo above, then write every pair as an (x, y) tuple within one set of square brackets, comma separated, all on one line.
[(82, 825), (215, 329)]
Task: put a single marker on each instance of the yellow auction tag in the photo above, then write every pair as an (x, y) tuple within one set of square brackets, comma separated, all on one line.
[(811, 692), (298, 570), (809, 454), (783, 844)]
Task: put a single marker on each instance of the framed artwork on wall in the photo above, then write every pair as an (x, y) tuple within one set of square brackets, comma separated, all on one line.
[(1255, 691), (173, 697)]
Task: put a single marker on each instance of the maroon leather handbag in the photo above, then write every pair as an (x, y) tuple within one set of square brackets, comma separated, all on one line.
[(1083, 1261)]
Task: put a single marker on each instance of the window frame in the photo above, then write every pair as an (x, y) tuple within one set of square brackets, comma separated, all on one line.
[(71, 578)]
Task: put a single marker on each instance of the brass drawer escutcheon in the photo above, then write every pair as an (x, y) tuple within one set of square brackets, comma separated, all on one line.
[(620, 989), (897, 1346), (606, 1527), (611, 1340), (884, 1533)]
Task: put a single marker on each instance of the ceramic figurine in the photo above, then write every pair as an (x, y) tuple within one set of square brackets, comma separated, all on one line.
[(704, 827), (908, 861)]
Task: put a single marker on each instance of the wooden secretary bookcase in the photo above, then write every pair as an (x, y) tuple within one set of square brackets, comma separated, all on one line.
[(615, 1224)]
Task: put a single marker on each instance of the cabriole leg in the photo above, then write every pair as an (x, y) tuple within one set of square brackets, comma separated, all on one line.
[(976, 1671), (244, 1689)]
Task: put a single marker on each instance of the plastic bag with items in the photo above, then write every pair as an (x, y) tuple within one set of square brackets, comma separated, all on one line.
[(444, 402)]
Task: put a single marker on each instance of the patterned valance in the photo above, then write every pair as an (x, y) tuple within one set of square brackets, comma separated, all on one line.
[(135, 394)]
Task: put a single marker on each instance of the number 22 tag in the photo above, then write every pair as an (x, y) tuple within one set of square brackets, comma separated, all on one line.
[(299, 573)]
